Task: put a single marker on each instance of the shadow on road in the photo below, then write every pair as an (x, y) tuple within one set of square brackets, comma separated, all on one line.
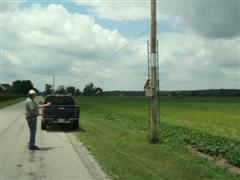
[(47, 148), (44, 149), (64, 129)]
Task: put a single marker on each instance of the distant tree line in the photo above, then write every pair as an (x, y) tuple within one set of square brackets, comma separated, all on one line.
[(61, 90), (23, 86), (19, 87), (124, 93), (209, 92), (89, 90)]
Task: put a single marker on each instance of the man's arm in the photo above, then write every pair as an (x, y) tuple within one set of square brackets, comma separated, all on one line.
[(44, 105)]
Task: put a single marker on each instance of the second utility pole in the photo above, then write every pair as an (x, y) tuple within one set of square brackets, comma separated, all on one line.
[(154, 79)]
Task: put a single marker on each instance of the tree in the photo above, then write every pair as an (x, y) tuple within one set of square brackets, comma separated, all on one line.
[(71, 90), (26, 86), (88, 90), (77, 92), (61, 89), (22, 87), (17, 87), (48, 89)]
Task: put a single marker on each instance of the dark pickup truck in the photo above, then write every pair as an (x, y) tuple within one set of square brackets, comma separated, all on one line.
[(61, 111)]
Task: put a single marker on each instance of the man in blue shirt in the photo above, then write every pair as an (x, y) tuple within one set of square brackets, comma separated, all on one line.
[(32, 111)]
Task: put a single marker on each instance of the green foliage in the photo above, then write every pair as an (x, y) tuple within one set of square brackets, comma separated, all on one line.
[(233, 156), (77, 92), (212, 145), (22, 86), (116, 130), (71, 90), (61, 90), (215, 146), (202, 93), (204, 142), (17, 87), (90, 90), (48, 89), (186, 93)]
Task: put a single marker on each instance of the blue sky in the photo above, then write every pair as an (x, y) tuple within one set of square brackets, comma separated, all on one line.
[(128, 28)]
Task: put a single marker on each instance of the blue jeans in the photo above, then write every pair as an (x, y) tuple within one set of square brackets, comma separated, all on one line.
[(32, 124)]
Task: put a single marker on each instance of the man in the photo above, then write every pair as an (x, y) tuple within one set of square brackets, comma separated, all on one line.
[(32, 111)]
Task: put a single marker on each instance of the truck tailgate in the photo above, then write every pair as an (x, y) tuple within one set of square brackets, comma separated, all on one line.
[(61, 111)]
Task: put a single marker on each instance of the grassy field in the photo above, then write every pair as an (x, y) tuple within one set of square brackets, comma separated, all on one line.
[(4, 102), (115, 130)]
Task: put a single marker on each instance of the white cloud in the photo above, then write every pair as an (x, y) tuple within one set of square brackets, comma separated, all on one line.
[(216, 19), (40, 41), (194, 62), (52, 40)]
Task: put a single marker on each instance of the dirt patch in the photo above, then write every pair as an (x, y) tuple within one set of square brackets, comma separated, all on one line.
[(218, 161)]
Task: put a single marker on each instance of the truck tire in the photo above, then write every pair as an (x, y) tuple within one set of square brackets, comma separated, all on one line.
[(43, 126), (76, 125)]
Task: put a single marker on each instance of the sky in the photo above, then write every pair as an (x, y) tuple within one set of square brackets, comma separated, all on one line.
[(95, 41)]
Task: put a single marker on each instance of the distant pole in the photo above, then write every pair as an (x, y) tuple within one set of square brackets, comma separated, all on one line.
[(53, 83), (154, 82)]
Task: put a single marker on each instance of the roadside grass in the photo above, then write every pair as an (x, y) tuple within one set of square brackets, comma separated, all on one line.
[(5, 103), (116, 131)]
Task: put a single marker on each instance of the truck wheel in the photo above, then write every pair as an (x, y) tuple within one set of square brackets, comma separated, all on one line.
[(43, 126)]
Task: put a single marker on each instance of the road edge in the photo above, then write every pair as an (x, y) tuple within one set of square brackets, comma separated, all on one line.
[(88, 160)]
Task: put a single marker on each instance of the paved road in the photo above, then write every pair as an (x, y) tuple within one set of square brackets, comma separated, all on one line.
[(61, 157)]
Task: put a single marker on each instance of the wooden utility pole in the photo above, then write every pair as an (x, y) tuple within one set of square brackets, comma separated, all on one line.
[(154, 79)]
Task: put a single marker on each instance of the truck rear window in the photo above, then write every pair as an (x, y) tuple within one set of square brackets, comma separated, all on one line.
[(60, 100)]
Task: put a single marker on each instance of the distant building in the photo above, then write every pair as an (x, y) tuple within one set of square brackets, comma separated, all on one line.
[(2, 89), (5, 88), (99, 93)]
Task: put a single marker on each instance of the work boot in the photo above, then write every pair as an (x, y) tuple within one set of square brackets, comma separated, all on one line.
[(34, 148)]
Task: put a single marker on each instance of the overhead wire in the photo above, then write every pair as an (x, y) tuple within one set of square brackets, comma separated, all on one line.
[(114, 55), (106, 59)]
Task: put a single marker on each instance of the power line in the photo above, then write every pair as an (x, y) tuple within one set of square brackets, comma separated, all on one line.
[(101, 64), (114, 54)]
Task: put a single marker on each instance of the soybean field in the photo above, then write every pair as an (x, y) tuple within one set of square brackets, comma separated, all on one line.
[(117, 130)]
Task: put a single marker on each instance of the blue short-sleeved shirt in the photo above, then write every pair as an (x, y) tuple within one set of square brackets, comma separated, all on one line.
[(32, 108)]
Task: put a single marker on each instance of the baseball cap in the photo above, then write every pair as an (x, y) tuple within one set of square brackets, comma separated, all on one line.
[(31, 92)]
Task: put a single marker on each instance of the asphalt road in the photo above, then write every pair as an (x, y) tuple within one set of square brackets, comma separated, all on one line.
[(61, 155)]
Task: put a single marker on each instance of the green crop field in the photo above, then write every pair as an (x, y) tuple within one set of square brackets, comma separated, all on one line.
[(116, 130)]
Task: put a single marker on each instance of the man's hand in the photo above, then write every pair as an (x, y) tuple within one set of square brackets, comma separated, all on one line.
[(45, 105)]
